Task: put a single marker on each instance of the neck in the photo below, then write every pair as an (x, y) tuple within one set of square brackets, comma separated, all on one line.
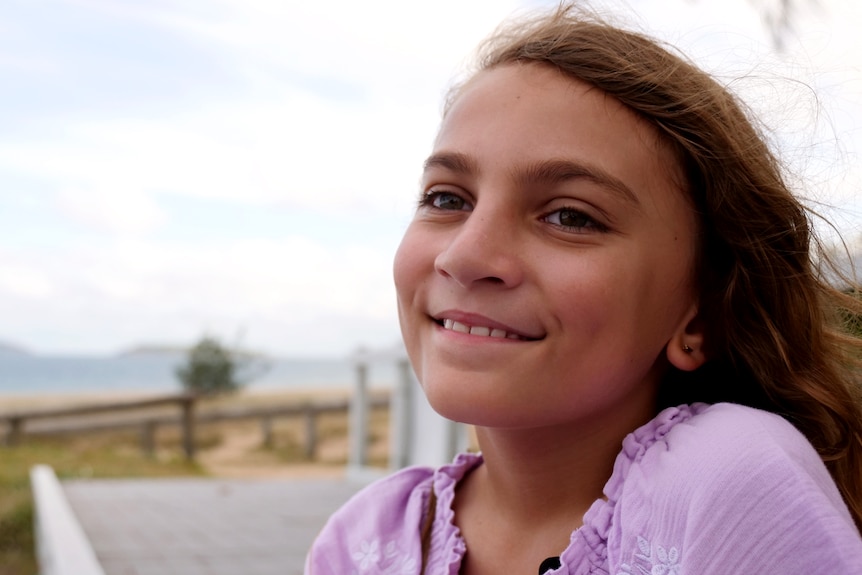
[(536, 485), (539, 473)]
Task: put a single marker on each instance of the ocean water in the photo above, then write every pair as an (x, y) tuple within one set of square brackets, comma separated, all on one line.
[(37, 375)]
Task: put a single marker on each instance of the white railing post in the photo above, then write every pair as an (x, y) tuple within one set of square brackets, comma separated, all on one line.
[(357, 458), (400, 423), (418, 435)]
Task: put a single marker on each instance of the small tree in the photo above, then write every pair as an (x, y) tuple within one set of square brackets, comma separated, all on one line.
[(210, 369), (853, 322)]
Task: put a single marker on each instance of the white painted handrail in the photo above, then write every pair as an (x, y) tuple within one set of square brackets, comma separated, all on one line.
[(61, 544)]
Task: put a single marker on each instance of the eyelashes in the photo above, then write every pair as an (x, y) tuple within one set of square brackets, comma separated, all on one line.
[(568, 219), (443, 200)]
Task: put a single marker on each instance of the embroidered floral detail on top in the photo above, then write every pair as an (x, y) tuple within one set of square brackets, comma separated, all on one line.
[(652, 560), (388, 560)]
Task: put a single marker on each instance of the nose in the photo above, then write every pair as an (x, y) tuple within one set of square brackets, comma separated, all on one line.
[(484, 250)]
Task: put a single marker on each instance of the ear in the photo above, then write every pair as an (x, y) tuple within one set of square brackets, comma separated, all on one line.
[(685, 348)]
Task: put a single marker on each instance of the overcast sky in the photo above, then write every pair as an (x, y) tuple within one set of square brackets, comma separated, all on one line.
[(245, 168)]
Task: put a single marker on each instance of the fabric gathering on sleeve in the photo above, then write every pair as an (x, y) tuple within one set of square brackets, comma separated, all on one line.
[(725, 489)]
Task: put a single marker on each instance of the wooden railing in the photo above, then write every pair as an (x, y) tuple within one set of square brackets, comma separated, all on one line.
[(187, 418), (17, 421)]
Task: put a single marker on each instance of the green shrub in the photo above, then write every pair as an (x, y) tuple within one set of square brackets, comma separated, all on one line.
[(211, 368)]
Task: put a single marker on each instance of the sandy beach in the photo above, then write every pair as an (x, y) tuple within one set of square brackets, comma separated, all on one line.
[(247, 396), (235, 448)]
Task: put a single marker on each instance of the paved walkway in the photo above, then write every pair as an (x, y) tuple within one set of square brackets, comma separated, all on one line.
[(204, 526)]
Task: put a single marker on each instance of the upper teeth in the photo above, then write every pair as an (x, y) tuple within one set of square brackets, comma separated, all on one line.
[(478, 330)]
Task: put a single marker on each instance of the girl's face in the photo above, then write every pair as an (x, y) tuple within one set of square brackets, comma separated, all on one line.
[(547, 276)]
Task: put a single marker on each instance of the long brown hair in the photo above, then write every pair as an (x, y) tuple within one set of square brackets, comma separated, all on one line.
[(775, 310)]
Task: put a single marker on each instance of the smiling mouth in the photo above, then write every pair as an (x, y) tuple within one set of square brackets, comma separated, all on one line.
[(480, 330)]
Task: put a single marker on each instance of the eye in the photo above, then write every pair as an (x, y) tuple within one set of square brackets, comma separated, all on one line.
[(444, 200), (573, 219)]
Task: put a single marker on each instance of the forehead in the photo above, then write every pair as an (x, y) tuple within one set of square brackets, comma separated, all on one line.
[(532, 112), (543, 85)]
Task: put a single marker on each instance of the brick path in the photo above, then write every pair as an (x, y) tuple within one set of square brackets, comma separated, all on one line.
[(204, 526)]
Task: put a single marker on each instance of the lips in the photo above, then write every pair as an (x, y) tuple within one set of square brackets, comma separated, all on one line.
[(482, 328)]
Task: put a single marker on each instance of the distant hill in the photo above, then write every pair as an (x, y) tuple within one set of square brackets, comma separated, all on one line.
[(179, 350), (8, 349), (154, 350)]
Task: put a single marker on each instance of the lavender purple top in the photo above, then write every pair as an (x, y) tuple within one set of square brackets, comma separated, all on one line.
[(698, 490)]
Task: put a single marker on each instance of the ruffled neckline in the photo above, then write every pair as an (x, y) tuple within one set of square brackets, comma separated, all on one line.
[(447, 544), (587, 550)]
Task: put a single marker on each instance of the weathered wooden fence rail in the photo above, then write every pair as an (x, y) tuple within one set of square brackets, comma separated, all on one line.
[(188, 418), (17, 422)]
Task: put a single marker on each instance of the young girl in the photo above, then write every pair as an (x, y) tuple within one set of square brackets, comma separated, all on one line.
[(609, 278)]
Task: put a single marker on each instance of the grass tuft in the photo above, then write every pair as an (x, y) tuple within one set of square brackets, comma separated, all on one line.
[(118, 455), (78, 457)]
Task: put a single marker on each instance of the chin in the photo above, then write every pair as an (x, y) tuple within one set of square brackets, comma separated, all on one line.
[(482, 410), (459, 405), (445, 403)]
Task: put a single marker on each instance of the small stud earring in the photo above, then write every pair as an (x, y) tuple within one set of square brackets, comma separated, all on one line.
[(686, 348)]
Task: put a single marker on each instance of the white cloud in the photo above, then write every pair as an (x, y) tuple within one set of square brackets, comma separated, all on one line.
[(323, 108), (20, 281), (288, 296), (121, 210)]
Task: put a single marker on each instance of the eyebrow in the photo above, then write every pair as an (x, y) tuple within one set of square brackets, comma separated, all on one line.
[(453, 162), (554, 171)]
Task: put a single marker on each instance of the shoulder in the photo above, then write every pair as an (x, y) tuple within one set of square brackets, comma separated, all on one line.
[(377, 525), (727, 436), (742, 428), (722, 443), (729, 488), (394, 490), (728, 447), (379, 529)]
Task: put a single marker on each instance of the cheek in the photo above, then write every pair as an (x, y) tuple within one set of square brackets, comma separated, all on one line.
[(402, 267), (413, 262), (410, 269), (634, 295), (658, 297)]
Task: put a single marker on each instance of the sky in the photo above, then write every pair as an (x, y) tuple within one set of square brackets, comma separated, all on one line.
[(245, 168)]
